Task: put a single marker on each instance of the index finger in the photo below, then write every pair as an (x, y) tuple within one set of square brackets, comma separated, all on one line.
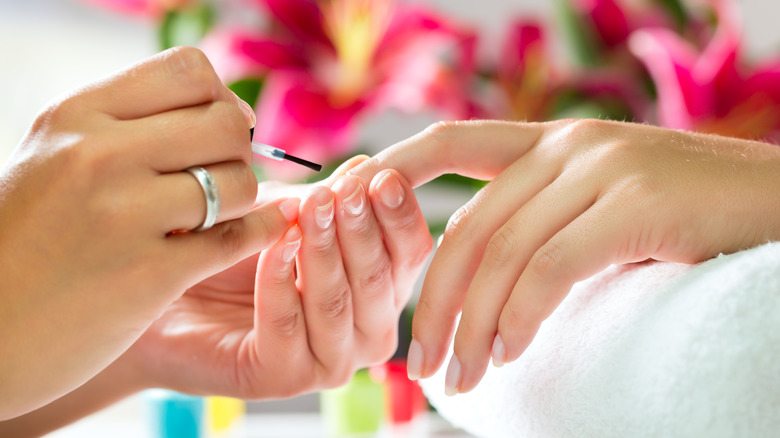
[(175, 78), (475, 148)]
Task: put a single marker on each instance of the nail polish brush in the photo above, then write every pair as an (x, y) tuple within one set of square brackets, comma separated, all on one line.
[(279, 154)]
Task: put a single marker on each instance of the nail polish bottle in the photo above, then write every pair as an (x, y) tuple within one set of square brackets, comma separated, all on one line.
[(225, 417), (355, 409), (405, 399), (174, 415)]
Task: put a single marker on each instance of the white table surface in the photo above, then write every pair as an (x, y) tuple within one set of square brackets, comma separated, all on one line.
[(126, 419)]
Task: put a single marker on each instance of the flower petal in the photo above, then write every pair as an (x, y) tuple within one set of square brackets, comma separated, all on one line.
[(302, 18), (670, 60)]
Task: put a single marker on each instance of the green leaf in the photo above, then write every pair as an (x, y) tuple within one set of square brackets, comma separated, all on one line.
[(676, 10), (455, 180), (580, 36), (186, 27), (248, 90)]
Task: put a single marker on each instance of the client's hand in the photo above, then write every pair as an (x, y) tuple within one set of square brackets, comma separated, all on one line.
[(267, 328), (566, 200)]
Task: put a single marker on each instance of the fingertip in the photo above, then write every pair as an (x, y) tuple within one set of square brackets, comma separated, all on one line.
[(290, 208), (387, 186), (346, 167), (292, 243)]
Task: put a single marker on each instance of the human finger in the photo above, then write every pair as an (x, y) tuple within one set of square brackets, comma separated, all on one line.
[(594, 240), (280, 328), (368, 269), (406, 236), (175, 78), (181, 199), (205, 253), (270, 190), (197, 135), (504, 259), (326, 294), (459, 255), (478, 148)]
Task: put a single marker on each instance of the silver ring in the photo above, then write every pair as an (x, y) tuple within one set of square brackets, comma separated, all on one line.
[(209, 187)]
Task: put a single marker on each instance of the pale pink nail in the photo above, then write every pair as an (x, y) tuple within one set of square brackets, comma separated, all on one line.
[(498, 352), (323, 215), (290, 251), (354, 203), (414, 360), (390, 191), (452, 379), (289, 209), (249, 113)]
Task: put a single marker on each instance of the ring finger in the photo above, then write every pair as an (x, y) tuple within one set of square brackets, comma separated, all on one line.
[(182, 204)]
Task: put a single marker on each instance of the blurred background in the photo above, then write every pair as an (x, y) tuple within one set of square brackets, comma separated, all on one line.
[(422, 61)]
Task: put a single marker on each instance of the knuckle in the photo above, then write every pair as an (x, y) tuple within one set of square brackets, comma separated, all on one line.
[(376, 279), (501, 247), (325, 247), (362, 228), (190, 58), (516, 322), (192, 65), (231, 236), (547, 260), (460, 224), (286, 323), (336, 303)]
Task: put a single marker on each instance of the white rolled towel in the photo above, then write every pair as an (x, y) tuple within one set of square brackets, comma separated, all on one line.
[(646, 350)]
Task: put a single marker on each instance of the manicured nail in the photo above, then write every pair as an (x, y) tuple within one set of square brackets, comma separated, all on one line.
[(249, 113), (414, 360), (452, 379), (390, 191), (290, 251), (354, 203), (498, 352), (289, 209), (323, 215)]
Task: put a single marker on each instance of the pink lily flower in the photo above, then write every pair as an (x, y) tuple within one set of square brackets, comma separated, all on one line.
[(611, 22), (328, 64), (526, 76), (529, 83), (711, 89)]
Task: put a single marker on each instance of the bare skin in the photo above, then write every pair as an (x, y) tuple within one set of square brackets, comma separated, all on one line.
[(565, 200)]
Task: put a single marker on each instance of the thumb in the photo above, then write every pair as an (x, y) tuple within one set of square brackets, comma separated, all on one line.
[(227, 243)]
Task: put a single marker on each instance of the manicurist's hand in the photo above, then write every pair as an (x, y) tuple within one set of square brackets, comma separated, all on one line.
[(565, 200), (95, 205)]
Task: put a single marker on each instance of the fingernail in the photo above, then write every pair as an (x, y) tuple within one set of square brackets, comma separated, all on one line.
[(498, 352), (354, 203), (323, 215), (390, 191), (452, 379), (289, 209), (414, 360), (290, 251), (249, 113)]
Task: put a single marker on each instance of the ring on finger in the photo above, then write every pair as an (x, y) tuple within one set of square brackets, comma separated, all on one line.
[(209, 186)]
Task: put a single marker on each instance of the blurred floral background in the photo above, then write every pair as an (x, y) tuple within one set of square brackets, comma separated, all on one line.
[(316, 70)]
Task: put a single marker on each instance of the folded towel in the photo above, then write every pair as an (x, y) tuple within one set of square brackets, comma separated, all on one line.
[(645, 350)]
